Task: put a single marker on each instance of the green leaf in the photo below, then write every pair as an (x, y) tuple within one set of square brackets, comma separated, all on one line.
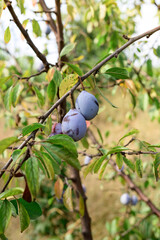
[(5, 215), (63, 153), (117, 149), (3, 237), (32, 175), (104, 95), (103, 167), (68, 48), (8, 99), (30, 128), (75, 68), (118, 73), (143, 101), (17, 153), (36, 28), (63, 147), (33, 208), (16, 92), (129, 163), (57, 78), (89, 168), (157, 51), (51, 90), (4, 80), (24, 217), (119, 160), (1, 6), (67, 199), (99, 163), (84, 142), (149, 67), (81, 205), (156, 165), (7, 35), (7, 142), (21, 5), (139, 167), (68, 82), (39, 95), (11, 192), (134, 131)]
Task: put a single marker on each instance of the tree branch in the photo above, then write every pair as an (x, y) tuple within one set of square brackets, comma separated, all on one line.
[(51, 22), (97, 67), (129, 181), (26, 35)]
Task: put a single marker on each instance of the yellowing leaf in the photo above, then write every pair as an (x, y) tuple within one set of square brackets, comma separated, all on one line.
[(1, 6), (58, 188), (67, 83), (67, 199), (7, 35), (50, 74)]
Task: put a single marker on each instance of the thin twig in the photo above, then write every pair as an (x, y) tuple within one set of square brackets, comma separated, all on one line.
[(26, 35), (31, 76), (136, 225)]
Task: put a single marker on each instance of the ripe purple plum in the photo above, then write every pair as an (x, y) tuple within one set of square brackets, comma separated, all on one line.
[(134, 200), (87, 105), (56, 129), (48, 30), (74, 125), (125, 199), (87, 160)]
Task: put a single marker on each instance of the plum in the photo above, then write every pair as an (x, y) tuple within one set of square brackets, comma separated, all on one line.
[(125, 199), (134, 200), (87, 105), (84, 188), (74, 125), (119, 170), (87, 160), (56, 129), (48, 30)]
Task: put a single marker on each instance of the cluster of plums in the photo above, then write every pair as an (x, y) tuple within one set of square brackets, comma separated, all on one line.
[(74, 122), (126, 199)]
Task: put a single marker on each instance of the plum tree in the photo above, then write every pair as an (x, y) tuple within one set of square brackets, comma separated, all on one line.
[(125, 199), (74, 125), (87, 105)]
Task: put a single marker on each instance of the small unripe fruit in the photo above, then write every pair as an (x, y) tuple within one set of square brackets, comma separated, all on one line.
[(119, 170), (87, 160), (84, 188), (48, 30), (87, 105), (134, 200), (56, 129), (74, 125), (125, 199)]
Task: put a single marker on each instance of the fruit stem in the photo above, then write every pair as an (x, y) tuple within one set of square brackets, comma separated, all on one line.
[(72, 100), (80, 80)]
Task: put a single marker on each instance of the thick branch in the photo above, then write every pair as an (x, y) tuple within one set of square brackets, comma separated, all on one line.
[(85, 220), (26, 35)]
